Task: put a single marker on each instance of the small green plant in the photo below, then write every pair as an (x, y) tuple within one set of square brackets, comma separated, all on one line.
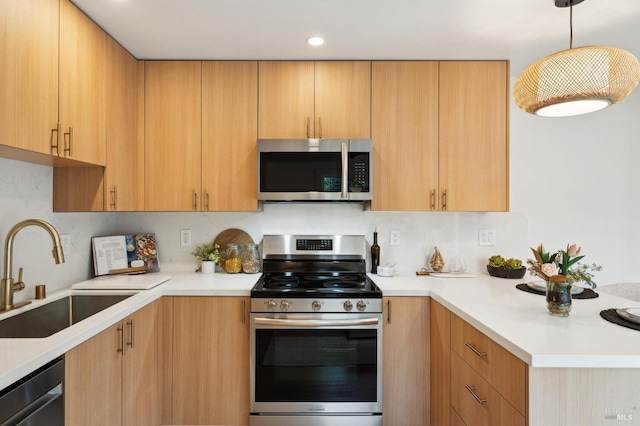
[(207, 252), (498, 261)]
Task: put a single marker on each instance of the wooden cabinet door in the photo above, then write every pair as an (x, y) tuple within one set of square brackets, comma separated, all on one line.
[(141, 372), (29, 76), (285, 107), (405, 135), (82, 87), (121, 173), (473, 136), (172, 161), (406, 384), (229, 133), (440, 365), (343, 99), (93, 381), (211, 360)]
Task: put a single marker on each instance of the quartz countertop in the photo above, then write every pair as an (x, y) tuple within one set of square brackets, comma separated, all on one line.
[(515, 319)]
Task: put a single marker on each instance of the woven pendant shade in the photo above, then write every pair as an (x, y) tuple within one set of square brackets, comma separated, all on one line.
[(577, 81)]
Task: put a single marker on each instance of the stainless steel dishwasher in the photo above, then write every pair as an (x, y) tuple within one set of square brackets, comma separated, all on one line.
[(35, 400)]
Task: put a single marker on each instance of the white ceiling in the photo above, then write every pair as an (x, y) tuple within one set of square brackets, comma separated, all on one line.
[(519, 30)]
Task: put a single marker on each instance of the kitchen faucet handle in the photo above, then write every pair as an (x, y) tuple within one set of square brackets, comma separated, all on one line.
[(19, 285)]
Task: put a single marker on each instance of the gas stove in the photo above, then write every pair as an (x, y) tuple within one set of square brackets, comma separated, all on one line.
[(315, 273)]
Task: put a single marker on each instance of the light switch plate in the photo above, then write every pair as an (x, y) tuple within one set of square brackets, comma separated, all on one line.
[(486, 237)]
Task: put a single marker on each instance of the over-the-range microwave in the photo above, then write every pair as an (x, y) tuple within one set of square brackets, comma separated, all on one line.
[(315, 169)]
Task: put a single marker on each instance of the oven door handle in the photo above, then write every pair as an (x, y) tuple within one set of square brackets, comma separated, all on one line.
[(315, 323)]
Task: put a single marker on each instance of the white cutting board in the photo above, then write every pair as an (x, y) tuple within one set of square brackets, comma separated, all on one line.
[(123, 282)]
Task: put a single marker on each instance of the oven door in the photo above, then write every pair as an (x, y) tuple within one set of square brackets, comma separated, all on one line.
[(316, 363), (314, 169)]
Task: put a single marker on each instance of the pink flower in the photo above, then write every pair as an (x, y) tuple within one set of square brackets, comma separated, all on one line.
[(549, 269), (574, 250)]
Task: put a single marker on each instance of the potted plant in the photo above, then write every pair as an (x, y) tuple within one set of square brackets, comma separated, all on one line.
[(505, 268), (208, 255)]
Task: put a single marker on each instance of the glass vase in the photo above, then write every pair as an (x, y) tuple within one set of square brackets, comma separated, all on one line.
[(558, 299)]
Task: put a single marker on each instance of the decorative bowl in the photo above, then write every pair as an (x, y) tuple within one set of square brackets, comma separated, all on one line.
[(506, 273)]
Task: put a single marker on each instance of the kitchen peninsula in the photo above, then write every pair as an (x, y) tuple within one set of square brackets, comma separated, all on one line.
[(579, 370)]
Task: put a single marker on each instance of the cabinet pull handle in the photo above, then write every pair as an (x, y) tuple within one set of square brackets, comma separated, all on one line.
[(70, 149), (433, 199), (57, 144), (388, 311), (320, 125), (195, 200), (475, 395), (206, 200), (476, 351), (308, 127), (114, 198), (444, 199), (130, 342), (244, 311), (122, 342)]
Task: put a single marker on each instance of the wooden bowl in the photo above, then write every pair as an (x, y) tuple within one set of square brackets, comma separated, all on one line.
[(506, 273)]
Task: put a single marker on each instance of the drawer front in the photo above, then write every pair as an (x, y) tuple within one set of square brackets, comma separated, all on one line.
[(476, 401), (503, 370)]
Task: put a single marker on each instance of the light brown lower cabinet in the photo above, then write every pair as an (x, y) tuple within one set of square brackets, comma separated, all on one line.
[(210, 357), (115, 378), (474, 380), (405, 399)]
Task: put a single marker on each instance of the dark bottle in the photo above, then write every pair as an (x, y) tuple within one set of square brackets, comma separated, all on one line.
[(375, 254)]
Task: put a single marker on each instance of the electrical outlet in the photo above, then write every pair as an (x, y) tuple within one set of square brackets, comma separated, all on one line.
[(394, 237), (486, 237), (65, 240), (185, 237)]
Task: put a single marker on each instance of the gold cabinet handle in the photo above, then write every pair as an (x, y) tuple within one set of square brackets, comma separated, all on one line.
[(55, 146), (130, 342), (472, 391), (122, 342), (308, 127), (114, 198), (433, 199), (320, 127), (388, 311), (70, 149), (195, 200), (476, 351), (244, 311), (444, 199), (206, 200)]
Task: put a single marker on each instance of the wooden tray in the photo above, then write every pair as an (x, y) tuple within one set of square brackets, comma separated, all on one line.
[(232, 235)]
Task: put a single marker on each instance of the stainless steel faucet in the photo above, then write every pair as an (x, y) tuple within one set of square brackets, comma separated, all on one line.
[(8, 286)]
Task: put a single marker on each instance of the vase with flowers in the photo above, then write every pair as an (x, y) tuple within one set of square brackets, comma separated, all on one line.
[(560, 270), (208, 255)]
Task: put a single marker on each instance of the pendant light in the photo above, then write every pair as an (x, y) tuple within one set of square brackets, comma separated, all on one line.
[(576, 81)]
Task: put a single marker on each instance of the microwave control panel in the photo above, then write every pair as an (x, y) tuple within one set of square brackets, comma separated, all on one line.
[(359, 171)]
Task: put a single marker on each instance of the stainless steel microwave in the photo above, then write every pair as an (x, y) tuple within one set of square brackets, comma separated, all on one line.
[(315, 169)]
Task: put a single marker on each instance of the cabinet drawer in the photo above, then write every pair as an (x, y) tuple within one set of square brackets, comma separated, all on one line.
[(504, 371), (476, 401)]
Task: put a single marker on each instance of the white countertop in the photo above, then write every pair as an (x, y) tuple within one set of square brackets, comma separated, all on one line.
[(515, 319)]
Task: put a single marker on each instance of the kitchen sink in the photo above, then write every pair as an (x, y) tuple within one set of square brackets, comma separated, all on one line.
[(50, 318)]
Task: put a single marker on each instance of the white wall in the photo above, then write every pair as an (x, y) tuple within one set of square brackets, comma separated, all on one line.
[(572, 180)]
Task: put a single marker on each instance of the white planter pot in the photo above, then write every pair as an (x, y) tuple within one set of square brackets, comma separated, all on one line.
[(207, 266)]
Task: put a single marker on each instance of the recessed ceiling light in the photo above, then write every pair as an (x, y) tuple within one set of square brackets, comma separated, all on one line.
[(315, 41)]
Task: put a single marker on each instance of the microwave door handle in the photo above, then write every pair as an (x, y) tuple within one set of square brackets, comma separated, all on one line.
[(274, 322), (345, 170)]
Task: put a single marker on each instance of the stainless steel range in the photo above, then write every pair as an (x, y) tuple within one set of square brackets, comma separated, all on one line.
[(316, 334)]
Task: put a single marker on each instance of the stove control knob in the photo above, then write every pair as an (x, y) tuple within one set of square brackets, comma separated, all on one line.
[(284, 305), (315, 305), (271, 305), (347, 306), (361, 305)]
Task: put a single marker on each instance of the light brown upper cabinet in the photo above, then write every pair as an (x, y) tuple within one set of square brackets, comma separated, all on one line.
[(440, 135), (405, 134), (83, 87), (172, 136), (474, 146), (328, 99), (229, 133), (29, 77)]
